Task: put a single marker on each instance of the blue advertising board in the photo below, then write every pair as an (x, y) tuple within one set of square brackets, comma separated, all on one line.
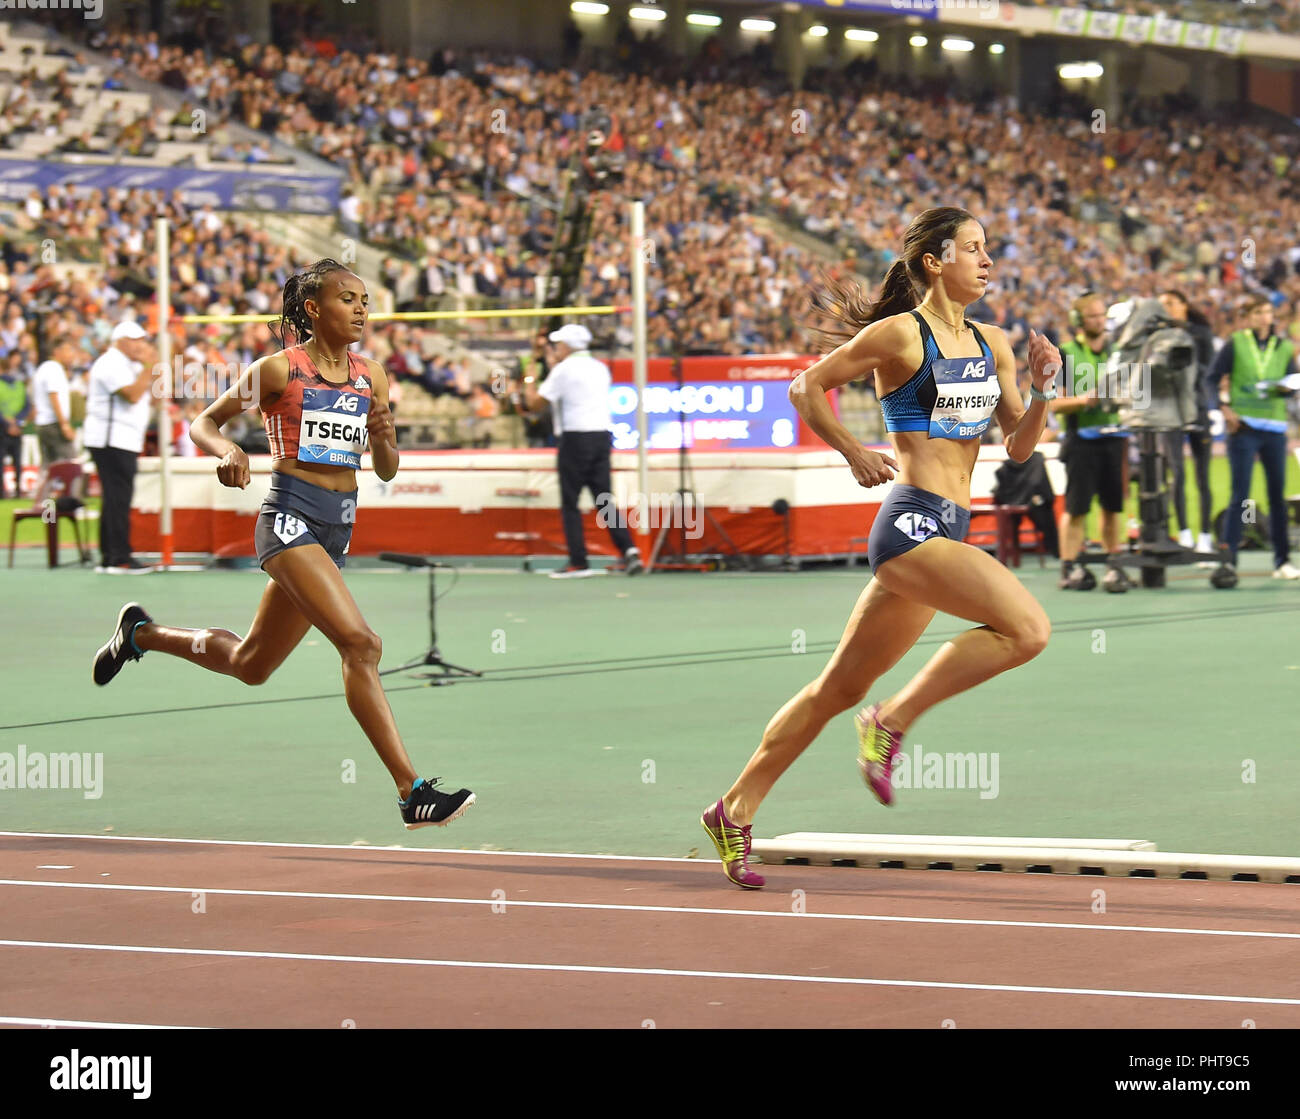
[(710, 416), (222, 190)]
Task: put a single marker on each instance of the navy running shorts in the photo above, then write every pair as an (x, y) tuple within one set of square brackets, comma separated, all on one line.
[(911, 516), (297, 513)]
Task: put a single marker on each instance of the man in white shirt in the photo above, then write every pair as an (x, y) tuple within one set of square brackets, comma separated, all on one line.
[(578, 391), (118, 403), (51, 402)]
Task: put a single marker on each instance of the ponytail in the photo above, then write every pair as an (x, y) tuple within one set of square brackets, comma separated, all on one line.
[(843, 302), (846, 305)]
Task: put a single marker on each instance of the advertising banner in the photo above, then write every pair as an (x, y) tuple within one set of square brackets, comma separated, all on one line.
[(222, 190)]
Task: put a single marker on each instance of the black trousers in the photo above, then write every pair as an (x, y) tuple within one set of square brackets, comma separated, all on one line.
[(1171, 443), (11, 447), (117, 481), (583, 462)]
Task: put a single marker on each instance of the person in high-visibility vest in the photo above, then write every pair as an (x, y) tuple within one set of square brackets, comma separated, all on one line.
[(1094, 449), (1247, 375)]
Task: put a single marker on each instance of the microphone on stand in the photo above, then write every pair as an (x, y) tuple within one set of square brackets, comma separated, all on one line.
[(409, 561)]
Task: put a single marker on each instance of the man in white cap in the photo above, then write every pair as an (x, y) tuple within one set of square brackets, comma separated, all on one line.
[(119, 398), (578, 391)]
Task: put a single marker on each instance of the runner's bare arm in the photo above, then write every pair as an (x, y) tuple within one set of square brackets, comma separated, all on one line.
[(265, 379), (383, 435), (855, 359)]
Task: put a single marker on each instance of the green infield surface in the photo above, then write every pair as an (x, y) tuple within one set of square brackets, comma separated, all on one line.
[(613, 710)]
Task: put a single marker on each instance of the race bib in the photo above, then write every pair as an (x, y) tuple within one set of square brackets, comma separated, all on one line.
[(967, 392), (333, 430), (288, 528), (916, 526)]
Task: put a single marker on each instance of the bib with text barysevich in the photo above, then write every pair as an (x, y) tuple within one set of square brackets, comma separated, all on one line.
[(966, 394)]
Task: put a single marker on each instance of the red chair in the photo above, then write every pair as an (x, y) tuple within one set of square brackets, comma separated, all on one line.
[(58, 497)]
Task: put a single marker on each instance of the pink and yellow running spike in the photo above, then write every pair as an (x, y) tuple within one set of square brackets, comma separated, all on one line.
[(878, 747)]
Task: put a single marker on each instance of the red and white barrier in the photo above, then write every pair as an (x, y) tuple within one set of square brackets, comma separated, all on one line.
[(478, 503)]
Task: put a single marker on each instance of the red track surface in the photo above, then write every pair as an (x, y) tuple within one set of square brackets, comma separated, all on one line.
[(459, 938)]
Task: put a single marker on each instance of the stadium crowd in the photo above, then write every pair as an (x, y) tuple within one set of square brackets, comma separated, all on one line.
[(454, 167)]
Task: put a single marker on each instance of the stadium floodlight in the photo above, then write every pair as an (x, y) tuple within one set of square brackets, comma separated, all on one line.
[(1070, 70), (703, 19), (653, 15), (918, 40), (858, 35), (957, 45), (818, 31), (757, 25), (996, 48), (587, 8)]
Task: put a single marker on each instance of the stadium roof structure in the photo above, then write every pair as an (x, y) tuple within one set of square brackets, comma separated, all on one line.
[(1230, 35)]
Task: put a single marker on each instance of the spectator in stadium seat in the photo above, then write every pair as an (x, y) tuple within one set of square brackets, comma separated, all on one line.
[(350, 213)]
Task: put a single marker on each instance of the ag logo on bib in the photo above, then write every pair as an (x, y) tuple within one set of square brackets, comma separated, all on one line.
[(916, 526), (288, 528)]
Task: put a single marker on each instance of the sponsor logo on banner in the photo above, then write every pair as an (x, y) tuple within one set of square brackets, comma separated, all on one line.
[(223, 190)]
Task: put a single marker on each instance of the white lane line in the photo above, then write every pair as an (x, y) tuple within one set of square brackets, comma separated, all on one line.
[(73, 1024), (592, 969), (349, 847), (676, 909)]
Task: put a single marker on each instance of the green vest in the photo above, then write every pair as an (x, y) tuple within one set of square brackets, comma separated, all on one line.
[(1250, 365), (13, 397), (1083, 369)]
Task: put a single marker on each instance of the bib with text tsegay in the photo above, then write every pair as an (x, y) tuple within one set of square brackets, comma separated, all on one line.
[(966, 394), (333, 430)]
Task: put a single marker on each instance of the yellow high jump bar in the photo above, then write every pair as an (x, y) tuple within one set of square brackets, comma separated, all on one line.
[(421, 316)]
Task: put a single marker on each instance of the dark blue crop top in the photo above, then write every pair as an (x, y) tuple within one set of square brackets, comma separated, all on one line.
[(950, 397)]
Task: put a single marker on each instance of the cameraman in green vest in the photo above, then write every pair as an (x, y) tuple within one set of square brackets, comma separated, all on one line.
[(1246, 375), (1092, 451)]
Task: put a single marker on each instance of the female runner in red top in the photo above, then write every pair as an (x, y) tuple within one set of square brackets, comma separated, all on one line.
[(323, 407)]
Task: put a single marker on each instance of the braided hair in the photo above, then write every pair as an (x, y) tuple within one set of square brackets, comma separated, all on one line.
[(300, 287)]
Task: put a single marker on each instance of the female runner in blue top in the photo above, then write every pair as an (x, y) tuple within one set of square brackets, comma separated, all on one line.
[(940, 380)]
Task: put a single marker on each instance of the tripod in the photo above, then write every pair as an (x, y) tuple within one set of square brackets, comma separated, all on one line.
[(1155, 551), (432, 658), (681, 558)]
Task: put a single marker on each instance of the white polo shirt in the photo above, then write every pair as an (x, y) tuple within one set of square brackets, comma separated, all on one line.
[(112, 420), (50, 377), (578, 389)]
